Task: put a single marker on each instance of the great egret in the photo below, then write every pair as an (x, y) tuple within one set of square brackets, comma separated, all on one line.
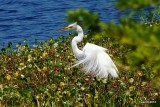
[(94, 59)]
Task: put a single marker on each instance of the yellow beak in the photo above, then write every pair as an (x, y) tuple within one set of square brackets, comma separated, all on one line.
[(62, 29)]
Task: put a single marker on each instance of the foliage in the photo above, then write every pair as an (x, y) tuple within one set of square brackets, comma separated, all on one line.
[(135, 4), (85, 18), (151, 17), (42, 77), (144, 40)]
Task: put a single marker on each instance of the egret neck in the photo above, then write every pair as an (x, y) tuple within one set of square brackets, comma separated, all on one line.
[(78, 53)]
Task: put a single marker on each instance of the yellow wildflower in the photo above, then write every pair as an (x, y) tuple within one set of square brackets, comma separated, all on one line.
[(150, 25), (43, 74), (131, 88), (44, 54), (82, 88), (8, 77), (19, 68), (156, 94), (62, 83), (16, 86), (16, 74), (139, 73), (29, 56), (44, 68), (51, 40), (23, 48), (21, 64), (38, 69)]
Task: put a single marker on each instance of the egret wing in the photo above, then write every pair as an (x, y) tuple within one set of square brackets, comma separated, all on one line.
[(97, 62)]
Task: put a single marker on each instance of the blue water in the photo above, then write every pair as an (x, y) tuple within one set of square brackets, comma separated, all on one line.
[(38, 19)]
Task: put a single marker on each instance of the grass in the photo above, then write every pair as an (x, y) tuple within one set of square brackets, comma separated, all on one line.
[(41, 76)]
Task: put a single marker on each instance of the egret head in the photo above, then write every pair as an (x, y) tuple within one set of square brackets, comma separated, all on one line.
[(69, 27)]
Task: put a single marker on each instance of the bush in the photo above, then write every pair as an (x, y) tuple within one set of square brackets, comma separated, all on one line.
[(42, 77)]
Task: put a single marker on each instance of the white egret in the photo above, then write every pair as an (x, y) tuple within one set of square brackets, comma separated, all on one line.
[(94, 59)]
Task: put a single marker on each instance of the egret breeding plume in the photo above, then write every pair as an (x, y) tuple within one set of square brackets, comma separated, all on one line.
[(94, 59)]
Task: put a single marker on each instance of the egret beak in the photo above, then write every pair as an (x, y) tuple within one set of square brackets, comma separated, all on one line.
[(62, 29)]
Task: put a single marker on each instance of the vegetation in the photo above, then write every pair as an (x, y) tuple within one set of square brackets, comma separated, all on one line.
[(43, 76)]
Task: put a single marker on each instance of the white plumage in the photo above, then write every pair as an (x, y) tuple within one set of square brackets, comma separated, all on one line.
[(94, 59)]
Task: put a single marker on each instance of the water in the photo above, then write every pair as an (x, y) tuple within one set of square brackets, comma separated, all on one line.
[(38, 19)]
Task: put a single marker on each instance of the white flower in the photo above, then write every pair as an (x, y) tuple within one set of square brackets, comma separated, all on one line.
[(55, 44), (22, 76)]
